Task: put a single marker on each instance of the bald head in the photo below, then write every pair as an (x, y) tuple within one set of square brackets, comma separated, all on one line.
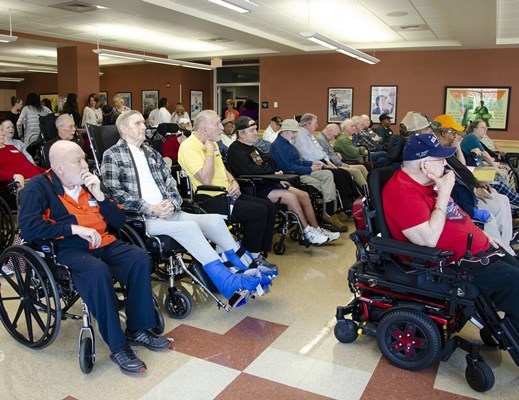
[(331, 131), (62, 151)]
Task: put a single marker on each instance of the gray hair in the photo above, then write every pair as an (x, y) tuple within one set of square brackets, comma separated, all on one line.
[(307, 118), (202, 118), (124, 118), (343, 123), (61, 119)]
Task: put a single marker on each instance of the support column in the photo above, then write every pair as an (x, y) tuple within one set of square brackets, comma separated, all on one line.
[(78, 72)]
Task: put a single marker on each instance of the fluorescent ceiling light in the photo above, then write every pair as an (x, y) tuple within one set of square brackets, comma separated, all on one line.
[(10, 79), (158, 60), (7, 38), (45, 71), (239, 6), (339, 47)]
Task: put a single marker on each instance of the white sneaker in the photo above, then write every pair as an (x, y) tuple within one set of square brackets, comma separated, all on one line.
[(315, 237), (6, 271), (331, 235)]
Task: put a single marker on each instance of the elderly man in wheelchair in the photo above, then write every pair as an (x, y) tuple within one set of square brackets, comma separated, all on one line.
[(413, 298), (67, 205), (139, 179)]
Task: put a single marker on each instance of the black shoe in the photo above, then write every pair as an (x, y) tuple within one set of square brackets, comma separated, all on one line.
[(149, 339), (127, 360), (261, 261)]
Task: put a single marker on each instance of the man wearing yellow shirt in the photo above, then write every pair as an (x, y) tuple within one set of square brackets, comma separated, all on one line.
[(200, 158)]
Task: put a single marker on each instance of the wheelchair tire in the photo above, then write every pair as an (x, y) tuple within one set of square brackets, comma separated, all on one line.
[(346, 331), (159, 318), (86, 355), (7, 225), (294, 235), (487, 337), (279, 248), (178, 304), (129, 235), (409, 339), (30, 305), (479, 376)]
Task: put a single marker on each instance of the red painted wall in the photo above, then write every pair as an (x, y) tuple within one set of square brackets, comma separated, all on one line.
[(300, 83)]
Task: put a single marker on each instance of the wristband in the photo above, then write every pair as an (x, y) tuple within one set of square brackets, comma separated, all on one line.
[(440, 209), (207, 154)]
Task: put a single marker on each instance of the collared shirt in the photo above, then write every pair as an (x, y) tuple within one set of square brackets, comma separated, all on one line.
[(308, 147)]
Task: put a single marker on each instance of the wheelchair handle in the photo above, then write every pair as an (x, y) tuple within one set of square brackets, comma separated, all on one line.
[(468, 253)]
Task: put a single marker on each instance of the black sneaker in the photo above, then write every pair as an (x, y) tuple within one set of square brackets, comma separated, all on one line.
[(149, 339), (127, 360)]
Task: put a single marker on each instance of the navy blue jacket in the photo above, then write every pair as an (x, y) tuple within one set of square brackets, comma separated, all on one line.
[(287, 157), (42, 215)]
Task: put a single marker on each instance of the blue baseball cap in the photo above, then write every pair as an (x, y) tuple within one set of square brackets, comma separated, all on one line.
[(426, 145)]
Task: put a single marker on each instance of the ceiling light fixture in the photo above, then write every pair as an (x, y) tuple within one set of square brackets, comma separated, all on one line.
[(11, 79), (158, 60), (8, 38), (44, 71), (339, 47), (239, 6)]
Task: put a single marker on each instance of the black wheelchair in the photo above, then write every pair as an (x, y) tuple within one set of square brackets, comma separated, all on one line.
[(40, 294), (8, 227), (415, 310)]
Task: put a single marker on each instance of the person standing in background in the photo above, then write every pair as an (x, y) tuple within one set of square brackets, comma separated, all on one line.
[(14, 113), (92, 114)]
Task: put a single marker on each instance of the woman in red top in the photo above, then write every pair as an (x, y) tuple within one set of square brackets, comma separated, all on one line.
[(14, 165)]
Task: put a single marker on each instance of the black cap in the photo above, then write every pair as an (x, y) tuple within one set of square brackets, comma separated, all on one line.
[(384, 116)]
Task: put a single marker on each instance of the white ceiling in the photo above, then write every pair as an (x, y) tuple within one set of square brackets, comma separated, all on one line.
[(200, 30)]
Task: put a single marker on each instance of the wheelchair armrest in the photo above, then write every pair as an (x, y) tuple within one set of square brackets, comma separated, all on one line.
[(409, 249), (211, 188), (272, 177)]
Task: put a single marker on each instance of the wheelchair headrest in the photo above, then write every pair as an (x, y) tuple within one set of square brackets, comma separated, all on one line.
[(377, 178), (166, 128), (101, 139), (48, 126)]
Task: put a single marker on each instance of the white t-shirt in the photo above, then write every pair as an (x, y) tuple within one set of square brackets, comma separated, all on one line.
[(164, 116), (149, 189), (269, 134)]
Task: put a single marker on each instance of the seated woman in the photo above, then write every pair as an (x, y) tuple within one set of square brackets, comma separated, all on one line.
[(14, 165), (245, 159)]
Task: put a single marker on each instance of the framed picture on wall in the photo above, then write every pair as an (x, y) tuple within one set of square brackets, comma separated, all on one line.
[(54, 101), (239, 102), (196, 102), (340, 104), (150, 101), (491, 104), (383, 101), (103, 98), (127, 96)]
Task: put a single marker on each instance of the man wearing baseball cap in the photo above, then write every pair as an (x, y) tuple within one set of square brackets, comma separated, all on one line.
[(418, 209), (383, 130)]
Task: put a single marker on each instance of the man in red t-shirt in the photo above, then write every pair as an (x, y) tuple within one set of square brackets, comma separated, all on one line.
[(418, 209)]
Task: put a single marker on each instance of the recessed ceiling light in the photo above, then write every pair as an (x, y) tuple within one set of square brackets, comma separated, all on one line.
[(397, 14)]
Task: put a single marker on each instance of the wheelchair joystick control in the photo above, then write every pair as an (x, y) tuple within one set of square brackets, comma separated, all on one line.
[(468, 253)]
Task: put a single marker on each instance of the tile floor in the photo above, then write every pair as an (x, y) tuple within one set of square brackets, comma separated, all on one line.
[(280, 346)]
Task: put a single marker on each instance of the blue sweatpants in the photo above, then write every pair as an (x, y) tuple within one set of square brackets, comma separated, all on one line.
[(92, 273)]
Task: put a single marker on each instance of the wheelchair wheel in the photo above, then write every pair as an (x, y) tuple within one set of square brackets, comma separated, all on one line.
[(487, 337), (279, 248), (7, 225), (409, 339), (30, 307), (178, 304), (479, 376), (294, 235), (346, 331), (129, 235), (159, 318), (86, 355)]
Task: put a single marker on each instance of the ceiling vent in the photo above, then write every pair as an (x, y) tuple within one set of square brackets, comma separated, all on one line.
[(75, 6), (414, 27), (217, 40)]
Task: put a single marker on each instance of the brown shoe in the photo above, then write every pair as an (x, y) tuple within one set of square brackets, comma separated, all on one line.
[(343, 218), (334, 224)]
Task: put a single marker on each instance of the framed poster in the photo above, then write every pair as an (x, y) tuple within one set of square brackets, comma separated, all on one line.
[(491, 104), (196, 102), (150, 101), (383, 101), (54, 101), (103, 98), (340, 104), (127, 96)]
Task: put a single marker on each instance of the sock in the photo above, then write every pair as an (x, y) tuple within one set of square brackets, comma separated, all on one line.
[(329, 208)]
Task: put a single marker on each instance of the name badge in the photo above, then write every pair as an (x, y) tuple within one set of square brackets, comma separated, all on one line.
[(92, 202)]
